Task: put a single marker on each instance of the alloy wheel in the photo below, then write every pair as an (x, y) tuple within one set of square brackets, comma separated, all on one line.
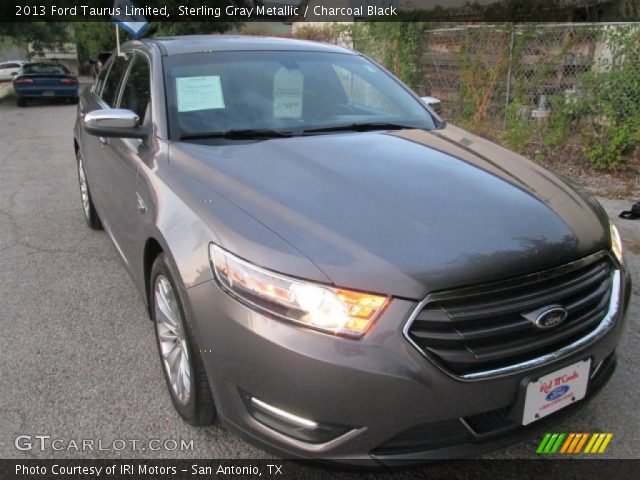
[(84, 188), (172, 339)]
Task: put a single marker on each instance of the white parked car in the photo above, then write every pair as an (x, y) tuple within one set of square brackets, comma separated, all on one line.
[(10, 69)]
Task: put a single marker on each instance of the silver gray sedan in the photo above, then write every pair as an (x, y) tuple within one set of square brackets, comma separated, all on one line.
[(333, 271)]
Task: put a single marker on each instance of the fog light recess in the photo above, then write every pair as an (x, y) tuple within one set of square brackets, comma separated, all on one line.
[(290, 424)]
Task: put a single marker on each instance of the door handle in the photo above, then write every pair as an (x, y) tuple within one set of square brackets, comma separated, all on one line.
[(104, 141), (142, 207)]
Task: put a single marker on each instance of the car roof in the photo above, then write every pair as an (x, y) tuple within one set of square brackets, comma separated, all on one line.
[(224, 43), (57, 64)]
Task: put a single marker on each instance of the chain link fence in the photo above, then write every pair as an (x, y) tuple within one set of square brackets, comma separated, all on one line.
[(480, 70), (529, 84)]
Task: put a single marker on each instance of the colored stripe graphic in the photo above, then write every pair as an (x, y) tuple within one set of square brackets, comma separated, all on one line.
[(556, 446), (573, 443), (599, 443), (581, 443), (596, 445), (571, 446), (592, 441), (550, 443), (543, 443), (606, 441), (576, 440), (567, 443)]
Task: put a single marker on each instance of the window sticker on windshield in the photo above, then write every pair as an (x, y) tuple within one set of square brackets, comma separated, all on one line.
[(199, 93), (287, 93)]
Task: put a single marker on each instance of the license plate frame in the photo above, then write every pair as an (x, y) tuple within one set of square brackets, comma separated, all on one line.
[(543, 395)]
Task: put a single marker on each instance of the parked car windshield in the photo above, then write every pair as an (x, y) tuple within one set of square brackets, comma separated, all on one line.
[(283, 91), (44, 69)]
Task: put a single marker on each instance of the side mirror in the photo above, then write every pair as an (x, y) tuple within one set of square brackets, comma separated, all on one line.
[(434, 103), (114, 122)]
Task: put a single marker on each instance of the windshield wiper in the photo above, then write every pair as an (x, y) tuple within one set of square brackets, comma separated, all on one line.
[(238, 134), (360, 127), (270, 133)]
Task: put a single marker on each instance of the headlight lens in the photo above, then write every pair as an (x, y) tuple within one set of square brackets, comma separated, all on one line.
[(331, 310), (616, 242)]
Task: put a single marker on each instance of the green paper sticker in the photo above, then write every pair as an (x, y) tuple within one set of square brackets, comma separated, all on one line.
[(199, 93)]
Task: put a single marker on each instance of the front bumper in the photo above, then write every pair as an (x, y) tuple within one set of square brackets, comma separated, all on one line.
[(390, 405)]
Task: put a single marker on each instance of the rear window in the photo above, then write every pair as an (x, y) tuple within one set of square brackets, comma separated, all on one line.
[(45, 69)]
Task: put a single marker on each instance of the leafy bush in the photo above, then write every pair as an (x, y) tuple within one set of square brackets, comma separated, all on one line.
[(601, 117), (606, 115), (317, 34), (518, 133), (397, 45)]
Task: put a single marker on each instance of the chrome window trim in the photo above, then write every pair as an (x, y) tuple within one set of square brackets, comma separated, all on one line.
[(605, 325)]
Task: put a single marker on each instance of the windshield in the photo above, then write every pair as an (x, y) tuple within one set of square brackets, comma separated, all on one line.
[(283, 92)]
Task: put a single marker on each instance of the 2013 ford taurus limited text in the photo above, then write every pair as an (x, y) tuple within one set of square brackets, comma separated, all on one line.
[(332, 270)]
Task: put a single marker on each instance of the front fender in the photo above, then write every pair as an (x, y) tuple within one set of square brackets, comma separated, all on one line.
[(184, 217)]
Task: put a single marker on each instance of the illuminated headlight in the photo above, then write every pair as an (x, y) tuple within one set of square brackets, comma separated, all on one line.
[(331, 310), (616, 242)]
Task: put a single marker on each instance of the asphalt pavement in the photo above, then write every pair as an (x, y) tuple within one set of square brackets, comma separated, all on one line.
[(78, 358)]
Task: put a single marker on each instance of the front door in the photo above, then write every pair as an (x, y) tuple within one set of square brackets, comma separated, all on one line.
[(123, 158)]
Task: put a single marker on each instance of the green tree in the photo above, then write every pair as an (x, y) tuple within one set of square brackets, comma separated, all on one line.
[(397, 45), (95, 37), (40, 35)]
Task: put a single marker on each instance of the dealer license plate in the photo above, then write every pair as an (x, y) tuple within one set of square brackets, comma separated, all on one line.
[(556, 390)]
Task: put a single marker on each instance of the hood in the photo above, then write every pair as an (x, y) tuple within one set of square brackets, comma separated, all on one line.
[(403, 212)]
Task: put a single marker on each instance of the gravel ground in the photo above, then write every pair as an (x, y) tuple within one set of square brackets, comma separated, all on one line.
[(79, 357)]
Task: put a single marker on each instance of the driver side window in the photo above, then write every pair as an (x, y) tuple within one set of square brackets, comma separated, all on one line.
[(109, 93), (136, 94)]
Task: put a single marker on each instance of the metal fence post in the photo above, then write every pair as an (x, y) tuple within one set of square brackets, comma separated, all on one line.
[(506, 100)]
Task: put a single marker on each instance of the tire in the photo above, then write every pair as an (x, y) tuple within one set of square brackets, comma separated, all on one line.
[(194, 401), (90, 214), (73, 100), (21, 102)]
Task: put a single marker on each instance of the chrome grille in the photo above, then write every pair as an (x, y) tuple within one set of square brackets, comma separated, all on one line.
[(475, 330)]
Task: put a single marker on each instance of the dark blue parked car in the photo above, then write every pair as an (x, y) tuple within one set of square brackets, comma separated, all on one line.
[(45, 80)]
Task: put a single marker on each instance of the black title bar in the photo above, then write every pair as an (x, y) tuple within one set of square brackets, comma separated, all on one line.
[(31, 469), (327, 10)]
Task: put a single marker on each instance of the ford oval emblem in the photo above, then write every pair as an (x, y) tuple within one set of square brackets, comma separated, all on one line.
[(552, 317), (557, 392)]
